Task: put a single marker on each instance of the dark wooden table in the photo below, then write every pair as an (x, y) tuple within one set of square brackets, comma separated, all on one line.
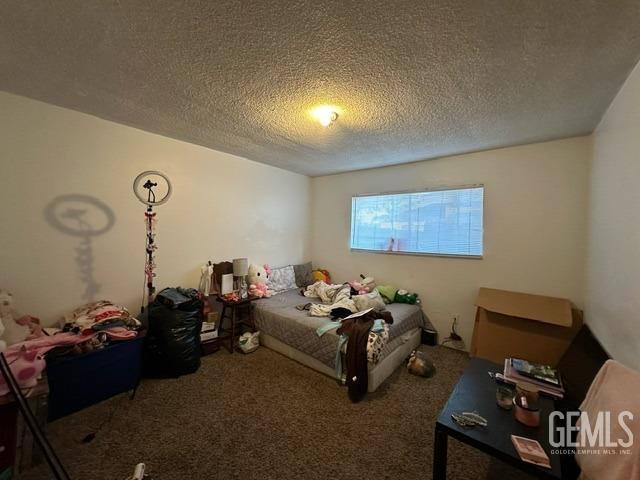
[(230, 310), (476, 391)]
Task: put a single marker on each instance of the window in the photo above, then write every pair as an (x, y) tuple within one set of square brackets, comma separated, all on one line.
[(437, 222)]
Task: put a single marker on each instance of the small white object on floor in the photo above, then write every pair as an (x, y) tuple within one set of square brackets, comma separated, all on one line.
[(249, 342), (138, 473)]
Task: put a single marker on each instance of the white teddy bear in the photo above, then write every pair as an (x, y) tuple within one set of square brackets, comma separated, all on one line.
[(10, 331), (257, 278)]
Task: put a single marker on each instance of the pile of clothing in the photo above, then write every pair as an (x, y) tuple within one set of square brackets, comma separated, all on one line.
[(102, 316), (359, 315), (362, 324), (88, 328), (331, 296), (365, 334)]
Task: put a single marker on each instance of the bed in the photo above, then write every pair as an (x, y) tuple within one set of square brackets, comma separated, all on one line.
[(292, 332)]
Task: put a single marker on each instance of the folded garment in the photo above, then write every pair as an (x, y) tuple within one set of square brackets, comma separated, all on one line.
[(120, 333), (102, 312)]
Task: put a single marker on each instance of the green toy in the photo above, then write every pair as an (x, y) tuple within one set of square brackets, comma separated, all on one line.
[(403, 296)]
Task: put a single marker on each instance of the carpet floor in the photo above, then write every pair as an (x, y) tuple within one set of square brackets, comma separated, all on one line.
[(263, 416)]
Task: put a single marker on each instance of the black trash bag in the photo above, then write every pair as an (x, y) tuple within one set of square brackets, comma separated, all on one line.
[(172, 345)]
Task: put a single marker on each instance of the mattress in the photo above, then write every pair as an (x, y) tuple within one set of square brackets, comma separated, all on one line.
[(400, 348), (278, 318)]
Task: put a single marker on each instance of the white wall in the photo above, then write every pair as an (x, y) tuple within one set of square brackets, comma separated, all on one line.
[(49, 151), (613, 263), (535, 225)]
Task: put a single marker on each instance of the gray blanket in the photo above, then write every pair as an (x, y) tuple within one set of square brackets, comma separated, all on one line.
[(278, 317)]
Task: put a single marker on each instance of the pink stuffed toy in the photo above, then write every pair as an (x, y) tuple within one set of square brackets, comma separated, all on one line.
[(257, 279), (259, 290), (365, 286)]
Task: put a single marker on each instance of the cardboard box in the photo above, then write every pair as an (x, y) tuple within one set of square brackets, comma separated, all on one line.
[(533, 327)]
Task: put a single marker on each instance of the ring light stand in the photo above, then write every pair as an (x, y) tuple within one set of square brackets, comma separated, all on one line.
[(143, 188)]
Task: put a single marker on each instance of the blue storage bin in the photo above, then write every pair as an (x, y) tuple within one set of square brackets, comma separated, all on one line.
[(77, 382)]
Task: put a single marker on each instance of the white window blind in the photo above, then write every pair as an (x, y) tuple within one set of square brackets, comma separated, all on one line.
[(437, 222)]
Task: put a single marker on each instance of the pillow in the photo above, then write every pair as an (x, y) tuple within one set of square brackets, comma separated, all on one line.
[(281, 279), (303, 274), (388, 293), (369, 300)]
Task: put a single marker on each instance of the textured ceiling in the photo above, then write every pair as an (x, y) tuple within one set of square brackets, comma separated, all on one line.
[(413, 80)]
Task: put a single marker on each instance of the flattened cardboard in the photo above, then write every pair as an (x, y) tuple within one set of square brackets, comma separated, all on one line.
[(556, 311), (533, 327)]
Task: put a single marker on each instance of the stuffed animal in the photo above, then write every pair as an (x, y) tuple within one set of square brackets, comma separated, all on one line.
[(367, 285), (12, 331), (403, 296), (419, 364), (257, 279), (259, 290), (321, 276)]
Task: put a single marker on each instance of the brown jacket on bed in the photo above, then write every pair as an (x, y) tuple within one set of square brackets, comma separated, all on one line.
[(357, 329)]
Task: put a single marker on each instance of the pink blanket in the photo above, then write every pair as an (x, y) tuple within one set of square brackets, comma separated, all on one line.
[(616, 389)]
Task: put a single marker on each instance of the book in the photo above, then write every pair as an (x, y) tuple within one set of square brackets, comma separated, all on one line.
[(531, 451), (536, 371), (206, 336), (208, 327), (512, 377), (208, 332)]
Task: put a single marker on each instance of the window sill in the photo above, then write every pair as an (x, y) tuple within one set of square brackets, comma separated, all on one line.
[(419, 254)]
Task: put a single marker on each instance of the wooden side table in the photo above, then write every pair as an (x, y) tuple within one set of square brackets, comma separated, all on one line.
[(231, 310)]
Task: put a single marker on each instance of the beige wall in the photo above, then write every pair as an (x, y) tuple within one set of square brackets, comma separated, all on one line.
[(613, 263), (222, 207), (534, 229)]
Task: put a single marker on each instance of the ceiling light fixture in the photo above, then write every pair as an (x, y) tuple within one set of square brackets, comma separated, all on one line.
[(325, 114)]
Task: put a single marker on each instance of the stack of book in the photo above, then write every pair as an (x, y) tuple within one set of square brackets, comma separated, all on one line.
[(209, 331), (545, 378)]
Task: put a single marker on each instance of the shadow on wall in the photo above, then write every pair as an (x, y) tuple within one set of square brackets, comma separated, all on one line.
[(84, 217)]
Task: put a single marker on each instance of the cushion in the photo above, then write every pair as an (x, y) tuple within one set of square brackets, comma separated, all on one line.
[(369, 300), (281, 279), (388, 293), (303, 274)]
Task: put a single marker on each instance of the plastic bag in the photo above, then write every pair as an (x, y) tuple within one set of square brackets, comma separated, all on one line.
[(249, 342), (172, 346)]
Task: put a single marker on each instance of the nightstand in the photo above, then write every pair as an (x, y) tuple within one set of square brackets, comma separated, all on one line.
[(232, 311)]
